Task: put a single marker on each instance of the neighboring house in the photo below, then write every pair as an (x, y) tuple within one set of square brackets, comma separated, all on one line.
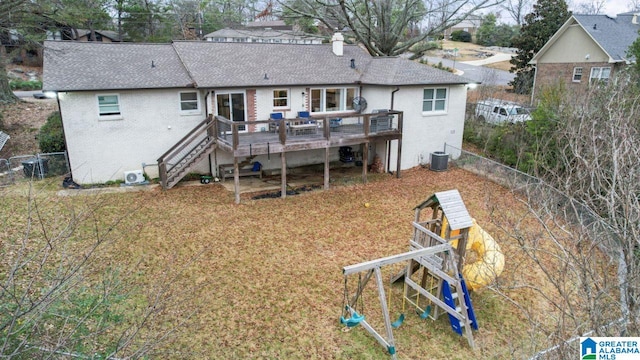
[(269, 24), (470, 24), (84, 35), (129, 106), (257, 35), (586, 49)]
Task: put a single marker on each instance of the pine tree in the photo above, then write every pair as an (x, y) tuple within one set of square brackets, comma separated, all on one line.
[(539, 26)]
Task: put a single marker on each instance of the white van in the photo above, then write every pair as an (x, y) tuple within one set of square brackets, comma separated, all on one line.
[(496, 111)]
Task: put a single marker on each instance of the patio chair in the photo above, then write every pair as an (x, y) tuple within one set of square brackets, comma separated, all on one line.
[(306, 117), (334, 124), (274, 126)]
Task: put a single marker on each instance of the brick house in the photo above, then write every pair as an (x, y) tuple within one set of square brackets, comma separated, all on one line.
[(585, 49)]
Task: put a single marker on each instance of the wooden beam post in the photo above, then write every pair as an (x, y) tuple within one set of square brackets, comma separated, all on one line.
[(399, 159), (236, 179), (326, 164), (283, 173), (365, 162)]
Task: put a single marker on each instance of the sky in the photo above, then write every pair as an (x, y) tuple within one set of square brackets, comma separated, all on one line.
[(614, 6)]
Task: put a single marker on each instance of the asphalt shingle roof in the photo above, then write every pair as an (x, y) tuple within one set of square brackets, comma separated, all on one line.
[(95, 66), (74, 65), (614, 34)]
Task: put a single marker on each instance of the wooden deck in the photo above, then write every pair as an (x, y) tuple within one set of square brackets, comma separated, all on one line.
[(354, 129), (246, 139)]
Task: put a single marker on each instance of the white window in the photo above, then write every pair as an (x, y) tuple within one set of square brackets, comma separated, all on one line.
[(332, 99), (600, 74), (189, 102), (109, 106), (280, 98), (577, 74), (434, 100)]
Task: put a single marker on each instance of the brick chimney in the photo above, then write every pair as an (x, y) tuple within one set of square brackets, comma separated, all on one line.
[(338, 44)]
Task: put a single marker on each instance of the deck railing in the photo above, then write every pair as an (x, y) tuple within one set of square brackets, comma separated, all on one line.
[(174, 164), (337, 125)]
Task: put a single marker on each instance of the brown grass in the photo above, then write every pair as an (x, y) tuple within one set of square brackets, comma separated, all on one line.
[(268, 283)]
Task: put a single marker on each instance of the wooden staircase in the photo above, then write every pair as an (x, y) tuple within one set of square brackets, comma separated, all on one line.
[(187, 153)]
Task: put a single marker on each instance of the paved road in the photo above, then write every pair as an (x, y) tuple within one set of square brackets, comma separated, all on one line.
[(481, 74), (27, 94)]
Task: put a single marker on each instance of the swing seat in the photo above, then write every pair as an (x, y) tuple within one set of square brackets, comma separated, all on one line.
[(354, 320), (396, 324), (425, 313)]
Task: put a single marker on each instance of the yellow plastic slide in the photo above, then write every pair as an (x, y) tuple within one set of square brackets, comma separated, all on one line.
[(489, 263)]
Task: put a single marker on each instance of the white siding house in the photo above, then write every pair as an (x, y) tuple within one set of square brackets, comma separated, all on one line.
[(124, 105)]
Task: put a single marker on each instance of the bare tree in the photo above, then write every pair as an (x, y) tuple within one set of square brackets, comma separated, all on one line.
[(60, 297), (384, 27), (633, 5), (517, 9), (594, 7), (589, 212)]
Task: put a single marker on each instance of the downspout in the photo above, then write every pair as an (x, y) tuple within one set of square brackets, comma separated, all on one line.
[(393, 93), (533, 88)]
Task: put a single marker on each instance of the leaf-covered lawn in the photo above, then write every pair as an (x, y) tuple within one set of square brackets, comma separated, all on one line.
[(263, 279)]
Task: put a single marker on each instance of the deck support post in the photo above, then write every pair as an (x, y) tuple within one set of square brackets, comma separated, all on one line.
[(399, 158), (283, 172), (326, 168), (365, 162), (236, 179)]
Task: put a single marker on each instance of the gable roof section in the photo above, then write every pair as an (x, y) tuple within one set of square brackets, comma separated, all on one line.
[(110, 66), (613, 35), (77, 66), (398, 71)]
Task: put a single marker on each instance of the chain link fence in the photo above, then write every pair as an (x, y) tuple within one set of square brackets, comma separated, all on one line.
[(542, 198), (33, 167)]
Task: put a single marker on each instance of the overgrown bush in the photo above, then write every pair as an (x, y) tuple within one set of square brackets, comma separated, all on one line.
[(25, 85), (437, 66), (506, 143), (461, 35), (51, 136)]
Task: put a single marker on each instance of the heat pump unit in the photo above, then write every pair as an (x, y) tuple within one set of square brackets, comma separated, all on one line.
[(133, 177)]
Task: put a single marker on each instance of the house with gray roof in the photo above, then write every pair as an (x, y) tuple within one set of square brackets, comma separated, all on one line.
[(263, 35), (586, 49), (216, 108)]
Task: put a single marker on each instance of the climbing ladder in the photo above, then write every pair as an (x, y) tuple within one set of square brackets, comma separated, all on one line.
[(441, 265), (451, 297)]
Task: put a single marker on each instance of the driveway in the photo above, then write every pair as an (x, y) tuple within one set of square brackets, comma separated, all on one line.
[(475, 71), (28, 94)]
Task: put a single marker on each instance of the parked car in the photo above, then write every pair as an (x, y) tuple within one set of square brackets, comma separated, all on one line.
[(497, 111)]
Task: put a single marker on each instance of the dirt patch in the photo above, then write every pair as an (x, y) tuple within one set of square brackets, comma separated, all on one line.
[(462, 51), (22, 121), (503, 65)]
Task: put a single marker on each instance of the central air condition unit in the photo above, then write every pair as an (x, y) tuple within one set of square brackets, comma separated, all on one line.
[(133, 177)]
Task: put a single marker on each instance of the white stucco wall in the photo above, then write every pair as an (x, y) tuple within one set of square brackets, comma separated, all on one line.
[(151, 122), (102, 150), (423, 132)]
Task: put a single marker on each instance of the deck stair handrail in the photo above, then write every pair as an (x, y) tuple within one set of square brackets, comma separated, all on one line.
[(174, 164)]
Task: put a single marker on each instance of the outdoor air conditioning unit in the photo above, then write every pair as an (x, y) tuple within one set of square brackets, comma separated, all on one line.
[(133, 177)]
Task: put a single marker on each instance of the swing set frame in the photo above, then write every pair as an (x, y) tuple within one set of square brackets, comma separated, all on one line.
[(373, 267)]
